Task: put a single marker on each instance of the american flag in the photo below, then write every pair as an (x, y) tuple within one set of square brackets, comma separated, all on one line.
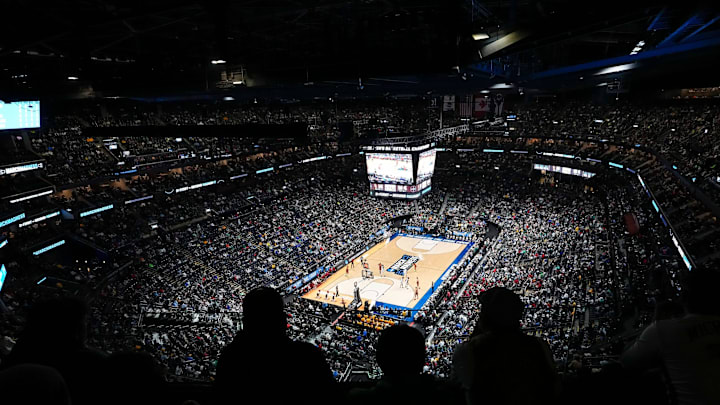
[(465, 108)]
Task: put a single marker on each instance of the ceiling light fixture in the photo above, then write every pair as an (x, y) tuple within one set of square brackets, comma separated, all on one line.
[(480, 36)]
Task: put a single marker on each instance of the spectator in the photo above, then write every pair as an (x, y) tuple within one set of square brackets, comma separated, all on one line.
[(401, 356), (262, 362), (55, 337), (500, 364), (33, 384)]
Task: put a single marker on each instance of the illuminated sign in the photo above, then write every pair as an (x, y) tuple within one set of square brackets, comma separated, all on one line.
[(139, 199), (3, 243), (315, 159), (39, 219), (196, 186), (3, 274), (238, 176), (619, 166), (49, 247), (269, 169), (562, 155), (17, 200), (96, 210), (493, 150), (285, 165), (22, 168), (518, 151), (682, 253), (342, 154), (564, 170), (655, 206), (19, 114), (9, 221)]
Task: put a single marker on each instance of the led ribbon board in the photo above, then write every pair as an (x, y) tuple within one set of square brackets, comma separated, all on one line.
[(96, 210), (10, 220), (49, 247), (39, 219), (3, 274), (138, 199), (22, 168), (29, 197)]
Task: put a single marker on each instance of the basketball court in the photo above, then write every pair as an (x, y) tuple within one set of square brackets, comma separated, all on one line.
[(423, 260)]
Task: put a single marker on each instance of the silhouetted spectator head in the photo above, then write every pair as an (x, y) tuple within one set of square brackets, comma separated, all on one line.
[(58, 322), (264, 313), (401, 351), (501, 309), (700, 292)]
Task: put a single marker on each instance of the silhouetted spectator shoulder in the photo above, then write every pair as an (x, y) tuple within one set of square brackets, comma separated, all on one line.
[(133, 378), (500, 364), (33, 384), (687, 347)]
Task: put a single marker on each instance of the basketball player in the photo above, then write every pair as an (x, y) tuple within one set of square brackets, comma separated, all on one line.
[(417, 292), (337, 290), (352, 263)]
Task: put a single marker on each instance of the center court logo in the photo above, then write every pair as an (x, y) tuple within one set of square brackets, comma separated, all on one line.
[(403, 265)]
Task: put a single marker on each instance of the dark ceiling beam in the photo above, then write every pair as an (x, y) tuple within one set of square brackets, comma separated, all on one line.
[(697, 31), (99, 23), (654, 24), (134, 32), (669, 39)]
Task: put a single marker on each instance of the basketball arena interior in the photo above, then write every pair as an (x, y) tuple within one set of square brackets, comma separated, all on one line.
[(363, 201)]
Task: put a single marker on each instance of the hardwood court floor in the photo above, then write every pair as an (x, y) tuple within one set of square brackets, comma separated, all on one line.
[(435, 257)]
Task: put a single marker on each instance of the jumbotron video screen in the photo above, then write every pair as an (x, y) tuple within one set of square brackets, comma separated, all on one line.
[(401, 175), (426, 165), (392, 168)]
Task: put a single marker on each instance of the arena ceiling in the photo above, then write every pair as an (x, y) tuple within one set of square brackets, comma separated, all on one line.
[(112, 47)]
